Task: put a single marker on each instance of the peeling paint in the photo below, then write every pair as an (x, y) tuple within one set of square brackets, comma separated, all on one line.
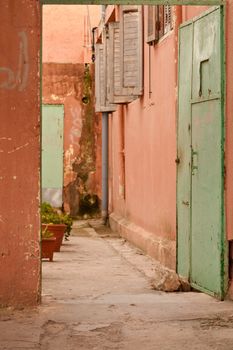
[(18, 148), (6, 138), (82, 177)]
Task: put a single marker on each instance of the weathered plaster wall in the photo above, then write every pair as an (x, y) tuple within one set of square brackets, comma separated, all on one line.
[(149, 145), (68, 78), (19, 153), (68, 84)]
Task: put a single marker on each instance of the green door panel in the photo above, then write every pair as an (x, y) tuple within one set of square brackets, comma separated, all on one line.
[(201, 232), (206, 197), (206, 82), (184, 150), (52, 153)]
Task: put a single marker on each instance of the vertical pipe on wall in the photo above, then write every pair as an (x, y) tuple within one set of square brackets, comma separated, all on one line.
[(104, 208), (122, 152)]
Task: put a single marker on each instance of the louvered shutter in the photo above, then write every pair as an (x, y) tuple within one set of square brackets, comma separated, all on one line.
[(115, 93), (167, 18), (131, 50), (108, 67), (101, 78), (98, 59), (153, 24)]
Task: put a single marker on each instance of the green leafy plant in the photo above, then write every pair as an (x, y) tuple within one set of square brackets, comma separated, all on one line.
[(49, 215), (46, 234)]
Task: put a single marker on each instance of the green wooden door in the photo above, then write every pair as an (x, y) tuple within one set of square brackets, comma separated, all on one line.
[(200, 197), (52, 154)]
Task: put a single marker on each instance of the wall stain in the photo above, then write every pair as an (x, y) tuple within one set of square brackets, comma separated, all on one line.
[(73, 86)]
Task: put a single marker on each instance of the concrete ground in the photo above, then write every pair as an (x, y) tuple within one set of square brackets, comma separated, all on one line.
[(97, 295)]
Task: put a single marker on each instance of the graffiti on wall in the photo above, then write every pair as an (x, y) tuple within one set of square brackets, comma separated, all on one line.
[(19, 79)]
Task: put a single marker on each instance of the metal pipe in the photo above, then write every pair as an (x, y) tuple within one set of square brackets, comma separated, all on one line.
[(103, 8), (104, 208)]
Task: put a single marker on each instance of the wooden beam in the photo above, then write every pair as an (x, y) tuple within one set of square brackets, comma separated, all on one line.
[(136, 2)]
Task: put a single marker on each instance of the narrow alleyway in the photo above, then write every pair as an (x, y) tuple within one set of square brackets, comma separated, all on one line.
[(96, 297)]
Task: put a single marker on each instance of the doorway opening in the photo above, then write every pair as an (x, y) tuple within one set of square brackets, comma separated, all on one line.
[(81, 151)]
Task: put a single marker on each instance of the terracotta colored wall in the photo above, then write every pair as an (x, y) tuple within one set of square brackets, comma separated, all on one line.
[(19, 153), (66, 32)]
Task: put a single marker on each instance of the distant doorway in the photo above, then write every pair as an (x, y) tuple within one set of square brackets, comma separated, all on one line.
[(52, 154)]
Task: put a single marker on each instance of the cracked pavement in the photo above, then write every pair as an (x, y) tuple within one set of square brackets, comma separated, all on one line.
[(97, 294)]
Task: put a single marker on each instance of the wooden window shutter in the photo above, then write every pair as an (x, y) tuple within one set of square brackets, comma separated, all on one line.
[(167, 18), (98, 78), (108, 68), (131, 51), (114, 62), (101, 77), (115, 94), (153, 24)]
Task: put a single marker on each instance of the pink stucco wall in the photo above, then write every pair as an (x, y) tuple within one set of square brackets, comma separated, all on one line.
[(188, 12), (150, 146), (67, 32)]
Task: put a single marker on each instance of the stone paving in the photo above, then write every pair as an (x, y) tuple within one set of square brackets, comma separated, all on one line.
[(98, 294)]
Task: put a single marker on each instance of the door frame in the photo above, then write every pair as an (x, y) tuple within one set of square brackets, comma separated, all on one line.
[(134, 2), (222, 4), (224, 246)]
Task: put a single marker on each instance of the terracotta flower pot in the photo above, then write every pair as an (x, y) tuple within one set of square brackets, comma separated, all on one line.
[(48, 246), (58, 231)]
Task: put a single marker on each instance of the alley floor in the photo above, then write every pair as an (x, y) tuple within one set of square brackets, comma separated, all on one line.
[(98, 295)]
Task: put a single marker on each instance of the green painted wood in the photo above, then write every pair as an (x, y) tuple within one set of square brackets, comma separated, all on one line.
[(136, 2), (52, 151), (207, 229), (184, 150), (202, 243), (206, 197)]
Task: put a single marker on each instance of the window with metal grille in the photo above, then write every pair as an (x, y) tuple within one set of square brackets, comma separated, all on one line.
[(159, 22)]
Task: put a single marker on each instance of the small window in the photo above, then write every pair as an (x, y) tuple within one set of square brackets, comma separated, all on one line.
[(167, 22), (159, 22), (125, 59), (152, 24)]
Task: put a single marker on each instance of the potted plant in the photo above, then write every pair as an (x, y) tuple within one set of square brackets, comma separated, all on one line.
[(48, 244), (56, 222)]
